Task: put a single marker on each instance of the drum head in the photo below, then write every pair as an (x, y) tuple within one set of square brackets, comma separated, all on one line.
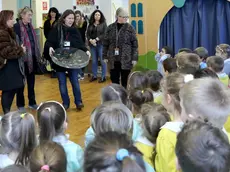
[(71, 58)]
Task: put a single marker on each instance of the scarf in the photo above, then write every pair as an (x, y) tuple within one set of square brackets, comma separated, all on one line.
[(26, 42)]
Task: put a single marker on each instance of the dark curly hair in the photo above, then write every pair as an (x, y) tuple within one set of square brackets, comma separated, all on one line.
[(92, 19)]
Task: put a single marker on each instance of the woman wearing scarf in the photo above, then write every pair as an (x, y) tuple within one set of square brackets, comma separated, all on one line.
[(27, 36)]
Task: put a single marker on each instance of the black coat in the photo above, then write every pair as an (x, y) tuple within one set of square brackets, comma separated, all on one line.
[(11, 74), (48, 27), (54, 40)]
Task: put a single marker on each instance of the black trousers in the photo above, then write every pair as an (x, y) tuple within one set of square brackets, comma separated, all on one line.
[(8, 97), (30, 77), (118, 74)]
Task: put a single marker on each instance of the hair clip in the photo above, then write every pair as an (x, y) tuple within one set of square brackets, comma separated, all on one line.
[(22, 115), (49, 109), (121, 154), (188, 78), (45, 167), (222, 51)]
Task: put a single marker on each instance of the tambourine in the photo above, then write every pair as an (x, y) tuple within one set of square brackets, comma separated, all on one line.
[(71, 58)]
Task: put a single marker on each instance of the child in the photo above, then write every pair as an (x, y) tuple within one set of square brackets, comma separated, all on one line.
[(15, 168), (52, 120), (166, 140), (151, 124), (203, 54), (169, 66), (154, 79), (115, 92), (185, 50), (207, 99), (216, 64), (137, 80), (48, 156), (187, 63), (113, 152), (17, 138), (202, 147), (206, 72), (223, 50), (138, 98), (165, 53)]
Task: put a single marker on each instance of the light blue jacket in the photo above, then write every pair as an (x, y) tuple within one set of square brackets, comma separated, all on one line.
[(203, 65), (137, 132), (227, 67), (160, 60), (74, 153)]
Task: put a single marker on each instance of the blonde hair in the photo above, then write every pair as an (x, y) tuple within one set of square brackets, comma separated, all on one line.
[(187, 63), (208, 99), (24, 11), (112, 116)]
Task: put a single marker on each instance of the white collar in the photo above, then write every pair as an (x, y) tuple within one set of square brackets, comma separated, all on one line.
[(173, 126), (145, 141)]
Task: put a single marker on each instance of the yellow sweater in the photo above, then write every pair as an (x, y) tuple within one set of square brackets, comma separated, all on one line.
[(224, 78), (165, 147)]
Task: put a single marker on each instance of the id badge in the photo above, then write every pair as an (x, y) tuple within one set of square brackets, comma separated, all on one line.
[(116, 51), (66, 44)]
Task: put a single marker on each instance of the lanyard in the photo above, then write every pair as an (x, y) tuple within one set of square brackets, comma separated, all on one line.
[(117, 36), (67, 36)]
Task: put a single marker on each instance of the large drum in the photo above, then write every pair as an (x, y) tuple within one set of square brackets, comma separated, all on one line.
[(71, 58)]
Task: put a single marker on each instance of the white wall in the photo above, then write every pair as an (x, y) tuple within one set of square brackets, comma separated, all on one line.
[(10, 5), (0, 5), (62, 5)]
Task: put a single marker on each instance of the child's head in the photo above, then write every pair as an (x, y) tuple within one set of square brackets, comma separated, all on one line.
[(113, 152), (205, 98), (48, 156), (185, 50), (18, 135), (201, 147), (223, 50), (206, 72), (171, 86), (166, 50), (114, 92), (15, 168), (169, 65), (153, 121), (202, 53), (187, 63), (51, 119), (137, 80), (154, 79), (215, 63), (139, 97), (111, 116)]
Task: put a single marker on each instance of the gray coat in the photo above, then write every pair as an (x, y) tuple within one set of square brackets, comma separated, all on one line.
[(101, 28), (127, 44)]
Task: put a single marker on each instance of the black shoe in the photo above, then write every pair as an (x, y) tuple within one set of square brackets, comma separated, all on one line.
[(53, 74), (80, 106), (93, 79), (102, 80), (66, 107)]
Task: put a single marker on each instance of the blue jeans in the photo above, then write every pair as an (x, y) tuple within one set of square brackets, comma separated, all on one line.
[(73, 77), (97, 53)]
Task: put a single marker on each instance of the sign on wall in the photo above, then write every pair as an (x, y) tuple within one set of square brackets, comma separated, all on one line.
[(44, 5), (85, 2)]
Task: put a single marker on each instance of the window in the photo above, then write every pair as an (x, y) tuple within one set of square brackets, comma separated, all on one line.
[(134, 24), (140, 9), (133, 10), (140, 27)]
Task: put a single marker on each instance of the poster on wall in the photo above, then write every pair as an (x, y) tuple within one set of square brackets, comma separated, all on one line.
[(85, 2)]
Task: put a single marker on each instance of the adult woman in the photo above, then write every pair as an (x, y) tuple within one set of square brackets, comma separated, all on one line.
[(120, 48), (53, 16), (27, 36), (95, 35), (66, 34), (11, 65), (82, 27)]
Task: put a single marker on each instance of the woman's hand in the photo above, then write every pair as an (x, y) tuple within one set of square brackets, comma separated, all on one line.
[(106, 60), (51, 51), (24, 48), (88, 53), (134, 62)]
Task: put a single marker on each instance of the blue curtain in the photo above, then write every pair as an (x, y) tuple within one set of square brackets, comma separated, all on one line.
[(199, 23)]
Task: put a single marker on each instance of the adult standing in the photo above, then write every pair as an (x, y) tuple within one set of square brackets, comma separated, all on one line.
[(82, 27), (65, 34), (11, 64), (52, 19), (120, 48), (27, 36), (95, 35)]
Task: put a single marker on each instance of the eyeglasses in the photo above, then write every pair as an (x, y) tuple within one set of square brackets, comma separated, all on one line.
[(124, 17)]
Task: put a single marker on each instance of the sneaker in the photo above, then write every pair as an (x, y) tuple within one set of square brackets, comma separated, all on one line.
[(22, 110), (80, 78), (102, 80), (93, 79), (80, 106), (34, 107), (66, 107)]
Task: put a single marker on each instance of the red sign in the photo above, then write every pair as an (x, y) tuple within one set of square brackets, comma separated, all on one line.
[(44, 6)]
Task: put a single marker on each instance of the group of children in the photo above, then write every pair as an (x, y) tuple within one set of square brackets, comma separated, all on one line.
[(171, 120)]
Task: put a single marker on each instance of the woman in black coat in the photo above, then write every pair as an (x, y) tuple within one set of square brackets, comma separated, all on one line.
[(11, 64), (66, 34)]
